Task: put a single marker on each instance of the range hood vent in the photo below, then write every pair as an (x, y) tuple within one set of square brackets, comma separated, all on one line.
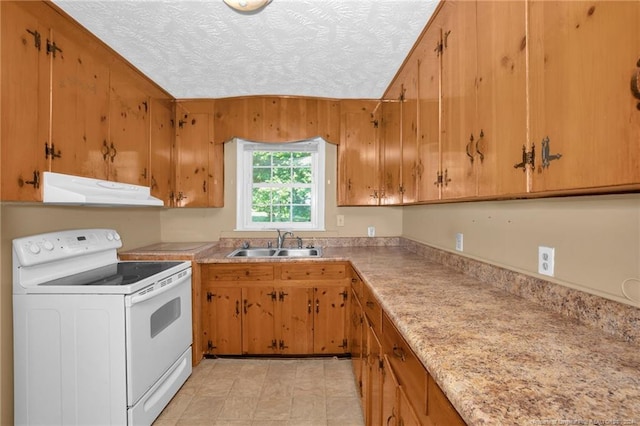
[(59, 188)]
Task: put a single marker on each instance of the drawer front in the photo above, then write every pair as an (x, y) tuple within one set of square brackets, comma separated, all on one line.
[(238, 272), (372, 310), (315, 271), (408, 369)]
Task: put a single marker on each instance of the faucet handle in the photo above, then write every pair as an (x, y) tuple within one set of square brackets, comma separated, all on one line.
[(299, 242)]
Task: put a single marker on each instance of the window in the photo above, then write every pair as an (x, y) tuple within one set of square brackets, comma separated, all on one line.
[(281, 185)]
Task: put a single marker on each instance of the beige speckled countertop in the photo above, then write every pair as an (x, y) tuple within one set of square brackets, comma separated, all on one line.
[(500, 358)]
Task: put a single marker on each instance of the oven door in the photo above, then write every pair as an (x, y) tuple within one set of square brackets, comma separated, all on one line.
[(158, 330)]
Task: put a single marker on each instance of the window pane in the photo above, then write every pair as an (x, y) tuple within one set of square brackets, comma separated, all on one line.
[(261, 197), (281, 196), (282, 174), (302, 175), (301, 196), (281, 159), (281, 214), (301, 213), (302, 159), (261, 175), (261, 213), (261, 158)]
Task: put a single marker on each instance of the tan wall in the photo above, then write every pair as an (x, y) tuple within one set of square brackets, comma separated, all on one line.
[(596, 238), (212, 224), (137, 226)]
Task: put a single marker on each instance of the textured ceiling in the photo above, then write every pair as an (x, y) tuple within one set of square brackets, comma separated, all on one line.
[(204, 49)]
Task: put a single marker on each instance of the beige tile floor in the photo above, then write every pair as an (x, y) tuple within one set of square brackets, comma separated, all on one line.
[(267, 392)]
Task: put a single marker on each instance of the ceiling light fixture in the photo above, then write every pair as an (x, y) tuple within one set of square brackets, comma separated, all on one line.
[(247, 5)]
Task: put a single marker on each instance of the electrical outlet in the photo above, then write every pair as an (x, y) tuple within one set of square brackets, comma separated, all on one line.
[(546, 260), (459, 241), (340, 220), (371, 231)]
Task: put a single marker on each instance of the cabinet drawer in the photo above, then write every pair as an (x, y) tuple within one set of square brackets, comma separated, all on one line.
[(372, 310), (313, 271), (408, 369), (238, 272)]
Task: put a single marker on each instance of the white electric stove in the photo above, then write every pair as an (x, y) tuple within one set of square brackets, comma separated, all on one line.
[(96, 340)]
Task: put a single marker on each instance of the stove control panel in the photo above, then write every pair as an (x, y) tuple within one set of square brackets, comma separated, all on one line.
[(55, 246)]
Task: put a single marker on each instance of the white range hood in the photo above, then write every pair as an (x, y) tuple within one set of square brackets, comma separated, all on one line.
[(59, 188)]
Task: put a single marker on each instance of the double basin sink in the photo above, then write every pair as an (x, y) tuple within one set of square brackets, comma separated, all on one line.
[(275, 252)]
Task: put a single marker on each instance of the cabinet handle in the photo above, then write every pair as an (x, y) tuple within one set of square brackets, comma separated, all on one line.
[(105, 150), (309, 306), (154, 183), (478, 146), (237, 307), (144, 173), (349, 184), (245, 306), (35, 182), (37, 38), (204, 186), (546, 156), (399, 353), (317, 306), (469, 149), (635, 83), (446, 178), (112, 152)]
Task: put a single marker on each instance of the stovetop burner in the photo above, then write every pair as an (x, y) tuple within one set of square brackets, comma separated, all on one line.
[(117, 274)]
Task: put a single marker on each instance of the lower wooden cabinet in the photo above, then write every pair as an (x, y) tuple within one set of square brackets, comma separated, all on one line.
[(395, 387), (275, 309)]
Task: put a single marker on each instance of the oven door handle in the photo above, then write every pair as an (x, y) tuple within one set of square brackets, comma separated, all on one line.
[(139, 298)]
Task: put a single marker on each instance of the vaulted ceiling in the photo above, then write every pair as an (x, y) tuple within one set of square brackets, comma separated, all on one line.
[(204, 49)]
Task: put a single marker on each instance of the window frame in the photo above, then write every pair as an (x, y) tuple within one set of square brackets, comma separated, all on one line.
[(244, 164)]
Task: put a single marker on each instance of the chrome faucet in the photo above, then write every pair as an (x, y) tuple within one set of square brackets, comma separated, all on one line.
[(282, 236)]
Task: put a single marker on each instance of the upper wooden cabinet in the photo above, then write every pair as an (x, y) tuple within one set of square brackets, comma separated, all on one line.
[(25, 96), (69, 104), (276, 119), (585, 122), (483, 103), (161, 163), (359, 154), (199, 161)]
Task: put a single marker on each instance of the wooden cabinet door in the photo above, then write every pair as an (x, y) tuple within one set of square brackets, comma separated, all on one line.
[(583, 55), (501, 101), (429, 114), (330, 320), (295, 320), (391, 153), (356, 340), (258, 321), (80, 111), (373, 414), (409, 131), (390, 407), (222, 320), (193, 142), (358, 154), (161, 167), (128, 157), (25, 102), (407, 415), (459, 129)]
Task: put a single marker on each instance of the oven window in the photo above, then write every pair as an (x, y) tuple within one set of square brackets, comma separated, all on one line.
[(165, 316)]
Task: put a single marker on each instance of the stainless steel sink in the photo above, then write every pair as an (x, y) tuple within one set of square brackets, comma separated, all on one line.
[(270, 252), (299, 252), (253, 252)]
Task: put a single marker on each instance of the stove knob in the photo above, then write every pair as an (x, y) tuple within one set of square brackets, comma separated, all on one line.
[(33, 248), (116, 236), (48, 245), (109, 236)]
